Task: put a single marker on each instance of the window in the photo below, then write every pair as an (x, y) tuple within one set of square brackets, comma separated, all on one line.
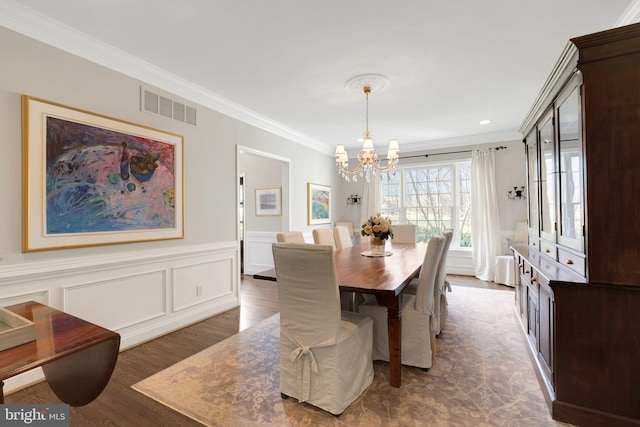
[(434, 197)]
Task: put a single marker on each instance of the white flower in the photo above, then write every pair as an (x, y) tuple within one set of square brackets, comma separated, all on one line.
[(377, 226)]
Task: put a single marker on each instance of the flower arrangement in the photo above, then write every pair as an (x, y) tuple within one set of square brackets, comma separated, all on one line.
[(378, 226)]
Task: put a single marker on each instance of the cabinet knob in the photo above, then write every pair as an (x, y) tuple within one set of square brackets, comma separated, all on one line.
[(569, 261), (533, 279), (526, 271), (534, 243), (547, 250)]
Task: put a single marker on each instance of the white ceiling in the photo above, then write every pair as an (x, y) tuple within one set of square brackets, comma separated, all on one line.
[(285, 62)]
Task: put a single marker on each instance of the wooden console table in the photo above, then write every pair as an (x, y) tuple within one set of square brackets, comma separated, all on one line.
[(77, 357)]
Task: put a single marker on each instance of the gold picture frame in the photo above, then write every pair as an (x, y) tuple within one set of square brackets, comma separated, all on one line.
[(269, 201), (318, 204), (91, 180)]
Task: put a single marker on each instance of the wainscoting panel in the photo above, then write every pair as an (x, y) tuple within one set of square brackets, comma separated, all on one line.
[(460, 261), (139, 294), (203, 281), (98, 301), (257, 253), (41, 296)]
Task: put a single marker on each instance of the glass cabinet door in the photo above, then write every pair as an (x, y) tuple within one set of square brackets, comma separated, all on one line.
[(547, 180), (532, 182), (570, 167)]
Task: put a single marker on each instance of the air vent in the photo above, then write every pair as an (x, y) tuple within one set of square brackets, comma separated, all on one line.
[(166, 107)]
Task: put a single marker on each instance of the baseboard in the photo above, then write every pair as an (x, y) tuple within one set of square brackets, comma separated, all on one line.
[(586, 417)]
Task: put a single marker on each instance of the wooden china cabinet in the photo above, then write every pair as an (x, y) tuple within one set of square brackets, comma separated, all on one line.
[(578, 290)]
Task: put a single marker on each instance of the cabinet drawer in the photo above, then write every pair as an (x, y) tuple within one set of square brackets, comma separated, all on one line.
[(526, 271), (535, 275), (573, 261), (535, 242), (549, 250)]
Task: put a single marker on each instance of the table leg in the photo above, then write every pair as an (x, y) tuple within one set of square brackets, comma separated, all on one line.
[(394, 325)]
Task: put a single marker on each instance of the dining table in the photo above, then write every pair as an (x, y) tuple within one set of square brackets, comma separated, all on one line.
[(385, 277)]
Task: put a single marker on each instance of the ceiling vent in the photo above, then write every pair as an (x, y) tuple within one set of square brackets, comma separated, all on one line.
[(166, 107)]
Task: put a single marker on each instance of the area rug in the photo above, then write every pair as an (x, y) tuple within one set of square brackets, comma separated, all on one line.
[(482, 376)]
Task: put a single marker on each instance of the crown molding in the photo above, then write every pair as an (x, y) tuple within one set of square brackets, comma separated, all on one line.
[(462, 141), (40, 27), (631, 14)]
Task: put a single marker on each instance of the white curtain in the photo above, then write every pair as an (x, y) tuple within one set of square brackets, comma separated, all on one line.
[(371, 202), (486, 238)]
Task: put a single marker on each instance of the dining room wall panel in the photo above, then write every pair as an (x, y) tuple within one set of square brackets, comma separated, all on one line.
[(96, 300), (131, 293), (202, 279)]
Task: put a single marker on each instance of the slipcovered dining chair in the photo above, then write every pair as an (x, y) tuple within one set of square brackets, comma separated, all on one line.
[(324, 236), (441, 287), (347, 224), (418, 316), (325, 354), (342, 237), (505, 268), (405, 233), (290, 237)]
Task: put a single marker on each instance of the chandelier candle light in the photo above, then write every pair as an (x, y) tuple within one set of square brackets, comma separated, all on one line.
[(368, 163)]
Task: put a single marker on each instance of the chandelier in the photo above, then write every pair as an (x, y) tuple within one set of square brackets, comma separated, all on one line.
[(368, 163)]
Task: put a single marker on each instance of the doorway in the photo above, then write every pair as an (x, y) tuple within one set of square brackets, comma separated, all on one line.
[(241, 205), (256, 231)]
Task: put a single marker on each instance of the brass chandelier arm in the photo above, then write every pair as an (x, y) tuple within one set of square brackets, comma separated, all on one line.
[(368, 163), (343, 166), (366, 160), (390, 165)]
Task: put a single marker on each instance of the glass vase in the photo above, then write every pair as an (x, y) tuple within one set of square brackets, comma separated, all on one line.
[(377, 246)]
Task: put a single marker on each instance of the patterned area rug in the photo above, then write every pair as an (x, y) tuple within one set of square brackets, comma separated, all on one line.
[(482, 376)]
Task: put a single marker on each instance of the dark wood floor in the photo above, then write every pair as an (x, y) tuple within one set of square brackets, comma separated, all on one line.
[(120, 405)]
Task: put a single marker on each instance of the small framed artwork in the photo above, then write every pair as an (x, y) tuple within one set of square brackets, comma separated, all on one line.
[(318, 204), (269, 201), (93, 180)]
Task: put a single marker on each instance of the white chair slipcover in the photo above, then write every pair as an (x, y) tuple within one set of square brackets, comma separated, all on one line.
[(324, 236), (442, 285), (347, 224), (441, 288), (418, 316), (405, 233), (290, 237), (342, 237), (505, 270), (325, 354), (505, 264)]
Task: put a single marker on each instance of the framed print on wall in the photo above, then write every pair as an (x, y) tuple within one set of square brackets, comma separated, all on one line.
[(268, 201), (318, 204), (93, 180)]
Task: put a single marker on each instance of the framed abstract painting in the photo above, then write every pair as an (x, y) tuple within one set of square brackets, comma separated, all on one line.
[(93, 180), (269, 201), (318, 204)]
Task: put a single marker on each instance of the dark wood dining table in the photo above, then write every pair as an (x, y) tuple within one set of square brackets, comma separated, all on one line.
[(384, 277)]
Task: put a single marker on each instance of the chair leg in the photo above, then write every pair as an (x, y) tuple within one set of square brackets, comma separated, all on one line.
[(433, 347)]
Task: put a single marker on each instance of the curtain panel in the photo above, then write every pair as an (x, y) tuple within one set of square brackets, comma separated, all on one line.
[(486, 238)]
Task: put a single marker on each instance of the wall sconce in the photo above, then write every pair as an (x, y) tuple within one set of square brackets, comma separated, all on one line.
[(353, 199), (516, 193)]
